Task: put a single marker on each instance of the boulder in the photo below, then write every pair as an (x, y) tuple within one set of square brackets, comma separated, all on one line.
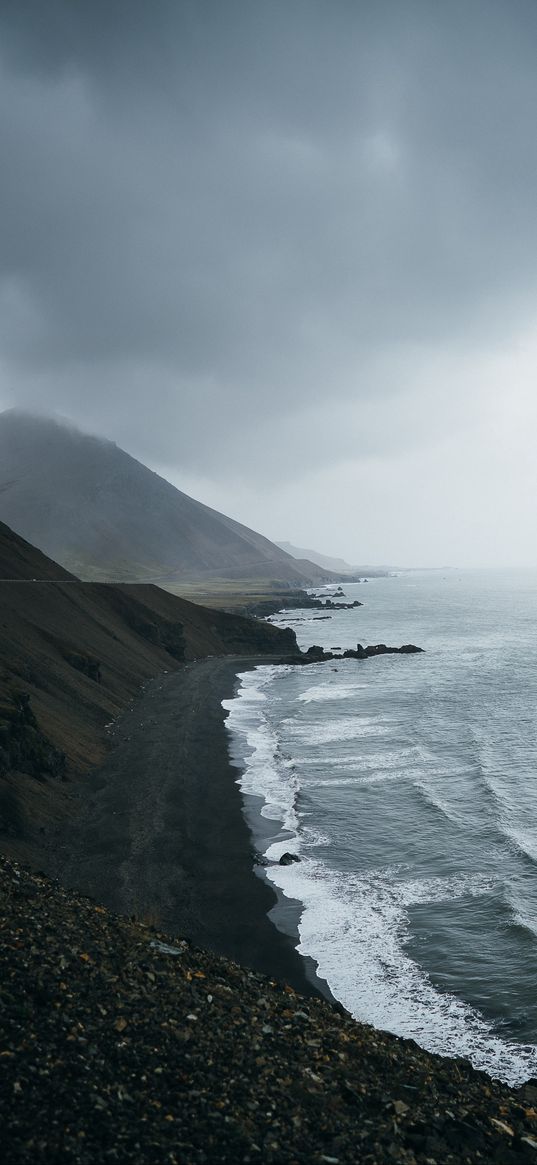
[(315, 652)]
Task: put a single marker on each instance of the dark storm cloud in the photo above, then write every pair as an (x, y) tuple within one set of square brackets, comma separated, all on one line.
[(212, 211)]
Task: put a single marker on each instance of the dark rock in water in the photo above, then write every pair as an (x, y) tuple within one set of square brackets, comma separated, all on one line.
[(284, 601), (315, 654), (331, 606), (293, 600), (380, 649), (288, 859)]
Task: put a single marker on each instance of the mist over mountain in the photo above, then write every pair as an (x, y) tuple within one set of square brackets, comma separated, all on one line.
[(100, 513), (336, 564)]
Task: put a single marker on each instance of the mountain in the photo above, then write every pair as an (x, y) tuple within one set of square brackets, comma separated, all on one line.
[(338, 565), (72, 656), (102, 514)]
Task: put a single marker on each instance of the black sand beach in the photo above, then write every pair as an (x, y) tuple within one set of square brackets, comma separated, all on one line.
[(161, 833), (119, 1043)]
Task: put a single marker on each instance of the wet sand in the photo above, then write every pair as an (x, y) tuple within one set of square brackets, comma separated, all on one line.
[(161, 833)]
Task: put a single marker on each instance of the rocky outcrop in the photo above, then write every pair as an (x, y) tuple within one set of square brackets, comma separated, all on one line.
[(89, 666), (243, 636), (296, 600), (331, 606), (24, 748), (317, 654), (142, 620), (381, 649)]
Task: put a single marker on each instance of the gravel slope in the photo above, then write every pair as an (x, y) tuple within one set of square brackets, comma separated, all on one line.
[(114, 1049)]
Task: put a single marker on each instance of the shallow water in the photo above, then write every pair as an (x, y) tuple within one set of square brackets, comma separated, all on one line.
[(408, 786)]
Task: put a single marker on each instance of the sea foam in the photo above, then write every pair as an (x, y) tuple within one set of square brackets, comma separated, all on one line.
[(356, 927)]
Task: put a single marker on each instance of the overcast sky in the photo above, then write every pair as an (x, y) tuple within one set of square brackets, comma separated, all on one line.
[(285, 252)]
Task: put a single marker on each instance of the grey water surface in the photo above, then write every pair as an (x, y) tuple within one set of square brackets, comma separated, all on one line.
[(407, 785)]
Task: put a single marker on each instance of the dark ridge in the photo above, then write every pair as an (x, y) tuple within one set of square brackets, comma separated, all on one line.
[(19, 560)]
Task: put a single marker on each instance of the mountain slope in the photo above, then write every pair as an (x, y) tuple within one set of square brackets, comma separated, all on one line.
[(20, 561), (102, 514), (72, 656), (337, 566), (323, 560)]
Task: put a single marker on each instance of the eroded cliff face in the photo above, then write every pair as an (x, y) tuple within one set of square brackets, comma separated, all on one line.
[(24, 748)]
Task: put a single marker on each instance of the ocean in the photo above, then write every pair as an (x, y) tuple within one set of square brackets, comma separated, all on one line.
[(407, 787)]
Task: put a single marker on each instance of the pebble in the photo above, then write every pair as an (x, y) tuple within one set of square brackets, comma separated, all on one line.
[(99, 1066)]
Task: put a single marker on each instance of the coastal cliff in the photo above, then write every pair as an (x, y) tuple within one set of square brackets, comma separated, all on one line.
[(73, 655)]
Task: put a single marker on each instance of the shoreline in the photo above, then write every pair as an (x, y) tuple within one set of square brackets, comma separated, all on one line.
[(121, 1044), (135, 849), (162, 832)]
